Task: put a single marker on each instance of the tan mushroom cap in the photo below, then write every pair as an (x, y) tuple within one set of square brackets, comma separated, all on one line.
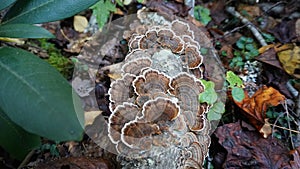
[(120, 91), (149, 40), (119, 117), (134, 134), (151, 82), (182, 28), (192, 56), (159, 110), (136, 66), (187, 88)]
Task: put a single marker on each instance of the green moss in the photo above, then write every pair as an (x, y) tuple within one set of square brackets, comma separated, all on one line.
[(56, 59)]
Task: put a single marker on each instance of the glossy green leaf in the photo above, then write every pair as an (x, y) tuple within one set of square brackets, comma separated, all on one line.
[(6, 3), (24, 31), (14, 139), (216, 111), (40, 11), (238, 94), (35, 96)]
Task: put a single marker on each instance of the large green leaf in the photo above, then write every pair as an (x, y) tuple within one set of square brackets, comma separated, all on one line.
[(36, 97), (6, 3), (40, 11), (15, 139), (24, 31)]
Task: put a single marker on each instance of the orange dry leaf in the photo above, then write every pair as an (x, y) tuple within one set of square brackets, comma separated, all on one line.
[(256, 107)]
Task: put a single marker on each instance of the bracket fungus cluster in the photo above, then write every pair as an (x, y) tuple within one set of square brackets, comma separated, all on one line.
[(155, 107)]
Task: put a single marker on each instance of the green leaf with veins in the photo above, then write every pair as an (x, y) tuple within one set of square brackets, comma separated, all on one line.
[(233, 79), (216, 111), (102, 11)]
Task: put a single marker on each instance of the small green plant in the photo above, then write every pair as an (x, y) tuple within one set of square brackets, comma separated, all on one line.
[(102, 11), (235, 84), (202, 14), (52, 148), (210, 97), (56, 59), (280, 119), (247, 50)]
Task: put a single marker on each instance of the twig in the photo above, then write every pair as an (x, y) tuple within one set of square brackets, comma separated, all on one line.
[(289, 124), (298, 121), (290, 87), (27, 158), (284, 128), (244, 20)]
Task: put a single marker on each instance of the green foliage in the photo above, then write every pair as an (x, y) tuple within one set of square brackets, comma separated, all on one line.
[(37, 97), (15, 139), (268, 37), (6, 3), (52, 148), (35, 100), (236, 84), (40, 11), (56, 59), (233, 79), (247, 50), (102, 11), (202, 14), (24, 31), (216, 111), (210, 97), (282, 119)]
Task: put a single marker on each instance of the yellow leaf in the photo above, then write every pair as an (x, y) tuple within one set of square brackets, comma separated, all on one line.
[(290, 60), (80, 23)]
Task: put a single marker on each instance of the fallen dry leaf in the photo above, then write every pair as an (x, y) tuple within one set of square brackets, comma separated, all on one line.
[(290, 60), (89, 117), (246, 149), (80, 23), (256, 107)]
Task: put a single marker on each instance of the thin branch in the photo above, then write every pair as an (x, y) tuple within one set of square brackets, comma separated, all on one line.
[(245, 21)]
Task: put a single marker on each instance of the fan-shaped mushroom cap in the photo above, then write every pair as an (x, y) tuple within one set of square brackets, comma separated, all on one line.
[(160, 109), (120, 91), (135, 67), (182, 28), (192, 57), (134, 42), (149, 40), (137, 53), (119, 117), (151, 82), (134, 134), (187, 88)]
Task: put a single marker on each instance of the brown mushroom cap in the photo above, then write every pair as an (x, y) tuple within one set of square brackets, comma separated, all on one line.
[(121, 91), (136, 66), (160, 109), (149, 40), (187, 88), (151, 82), (119, 117), (182, 28), (192, 57), (135, 133)]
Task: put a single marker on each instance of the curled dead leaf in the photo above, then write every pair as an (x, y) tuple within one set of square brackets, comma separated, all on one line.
[(256, 107)]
